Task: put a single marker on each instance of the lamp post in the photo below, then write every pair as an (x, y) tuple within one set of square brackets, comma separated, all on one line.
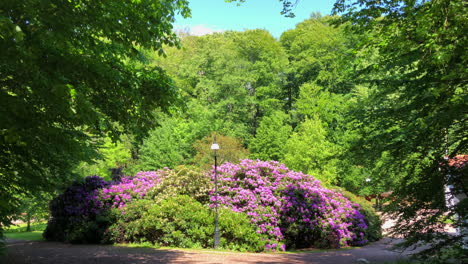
[(215, 147)]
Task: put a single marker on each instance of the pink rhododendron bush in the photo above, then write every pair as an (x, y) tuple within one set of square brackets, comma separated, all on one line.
[(264, 206), (291, 208), (127, 189)]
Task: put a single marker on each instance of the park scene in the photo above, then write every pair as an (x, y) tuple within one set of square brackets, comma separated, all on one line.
[(237, 131)]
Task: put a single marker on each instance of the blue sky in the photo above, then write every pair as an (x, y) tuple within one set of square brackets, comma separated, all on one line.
[(216, 15)]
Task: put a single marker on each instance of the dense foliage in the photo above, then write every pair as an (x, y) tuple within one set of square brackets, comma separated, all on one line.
[(370, 100), (182, 181), (415, 114), (112, 158), (181, 221), (271, 134), (291, 208), (241, 85), (69, 72), (263, 206)]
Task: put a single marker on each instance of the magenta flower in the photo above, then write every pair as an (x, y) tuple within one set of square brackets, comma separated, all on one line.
[(284, 204)]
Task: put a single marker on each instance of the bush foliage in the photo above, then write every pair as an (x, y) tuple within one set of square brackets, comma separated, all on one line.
[(263, 206), (182, 181), (181, 221), (372, 219), (291, 208)]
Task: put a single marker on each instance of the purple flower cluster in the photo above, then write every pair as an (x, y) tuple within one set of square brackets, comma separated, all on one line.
[(290, 207), (80, 201), (79, 204), (119, 194)]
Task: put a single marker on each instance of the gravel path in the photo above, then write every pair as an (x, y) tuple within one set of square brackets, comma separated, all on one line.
[(40, 252)]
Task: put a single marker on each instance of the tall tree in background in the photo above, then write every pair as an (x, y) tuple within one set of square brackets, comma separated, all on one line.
[(417, 109), (227, 80), (320, 87), (171, 143), (67, 72), (318, 52), (271, 137), (112, 158), (230, 150), (309, 151)]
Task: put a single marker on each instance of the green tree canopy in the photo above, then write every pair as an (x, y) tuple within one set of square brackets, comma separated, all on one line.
[(111, 155), (68, 71), (231, 150), (272, 135), (417, 107), (309, 151), (318, 52), (233, 78)]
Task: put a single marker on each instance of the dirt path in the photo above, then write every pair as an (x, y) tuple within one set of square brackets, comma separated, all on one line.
[(32, 252)]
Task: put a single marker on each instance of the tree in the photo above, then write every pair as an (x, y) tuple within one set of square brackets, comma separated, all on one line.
[(33, 208), (170, 144), (329, 107), (333, 112), (68, 71), (318, 53), (112, 156), (309, 151), (232, 78), (272, 135), (416, 112), (230, 150)]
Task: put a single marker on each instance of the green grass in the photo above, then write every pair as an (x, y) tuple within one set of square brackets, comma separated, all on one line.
[(150, 245), (34, 235), (37, 226), (137, 245), (19, 231)]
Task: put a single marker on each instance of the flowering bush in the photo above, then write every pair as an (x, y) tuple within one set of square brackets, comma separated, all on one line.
[(121, 193), (291, 208), (182, 180), (373, 221), (78, 205), (267, 207)]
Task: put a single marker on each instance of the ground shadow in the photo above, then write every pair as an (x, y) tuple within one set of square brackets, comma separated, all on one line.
[(41, 252)]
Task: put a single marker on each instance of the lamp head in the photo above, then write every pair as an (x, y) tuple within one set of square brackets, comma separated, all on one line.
[(215, 145)]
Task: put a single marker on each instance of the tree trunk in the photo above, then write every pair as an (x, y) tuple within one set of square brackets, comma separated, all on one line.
[(28, 220)]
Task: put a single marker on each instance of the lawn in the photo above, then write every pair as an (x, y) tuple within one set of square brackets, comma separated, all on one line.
[(33, 235), (19, 231)]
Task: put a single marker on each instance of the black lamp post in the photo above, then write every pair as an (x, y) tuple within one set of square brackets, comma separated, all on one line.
[(215, 147)]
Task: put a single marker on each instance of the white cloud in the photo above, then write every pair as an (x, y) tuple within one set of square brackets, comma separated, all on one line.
[(199, 30)]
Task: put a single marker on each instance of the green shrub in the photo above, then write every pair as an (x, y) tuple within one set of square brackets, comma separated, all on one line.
[(238, 233), (181, 221), (182, 181), (373, 221), (90, 231)]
